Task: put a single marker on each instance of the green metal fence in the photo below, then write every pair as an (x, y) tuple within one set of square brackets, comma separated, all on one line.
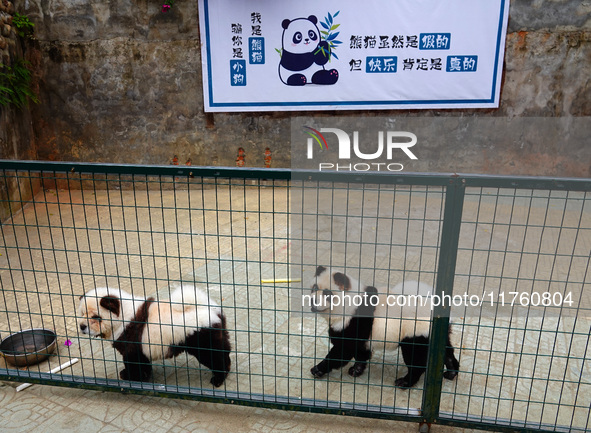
[(513, 252)]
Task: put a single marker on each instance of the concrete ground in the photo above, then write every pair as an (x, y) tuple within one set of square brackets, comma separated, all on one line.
[(44, 409), (517, 363)]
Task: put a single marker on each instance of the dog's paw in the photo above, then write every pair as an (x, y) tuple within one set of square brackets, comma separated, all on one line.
[(316, 372), (137, 376), (218, 380), (450, 375), (357, 370), (402, 382)]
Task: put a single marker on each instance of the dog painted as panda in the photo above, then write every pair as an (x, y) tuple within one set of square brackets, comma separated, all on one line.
[(355, 330), (145, 330)]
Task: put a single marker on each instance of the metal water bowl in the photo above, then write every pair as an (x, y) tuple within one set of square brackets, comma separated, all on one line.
[(28, 347)]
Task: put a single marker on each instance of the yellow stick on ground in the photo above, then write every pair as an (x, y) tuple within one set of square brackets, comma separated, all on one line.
[(281, 280)]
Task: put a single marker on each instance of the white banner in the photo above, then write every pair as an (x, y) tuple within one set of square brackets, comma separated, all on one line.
[(269, 55)]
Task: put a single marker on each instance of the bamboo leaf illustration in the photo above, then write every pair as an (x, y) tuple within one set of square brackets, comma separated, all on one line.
[(329, 36), (332, 36)]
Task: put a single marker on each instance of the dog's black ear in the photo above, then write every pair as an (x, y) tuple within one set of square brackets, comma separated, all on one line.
[(342, 280), (112, 304), (319, 270)]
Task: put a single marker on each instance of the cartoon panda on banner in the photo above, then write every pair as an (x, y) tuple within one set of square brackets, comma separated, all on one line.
[(302, 57)]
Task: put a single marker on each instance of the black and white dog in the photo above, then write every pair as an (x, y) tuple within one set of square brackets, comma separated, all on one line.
[(145, 330), (359, 319)]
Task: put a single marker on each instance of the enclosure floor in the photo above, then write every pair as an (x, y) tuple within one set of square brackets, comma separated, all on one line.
[(512, 366)]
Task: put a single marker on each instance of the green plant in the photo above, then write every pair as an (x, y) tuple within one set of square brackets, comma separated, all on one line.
[(329, 35), (23, 25), (167, 5), (15, 84)]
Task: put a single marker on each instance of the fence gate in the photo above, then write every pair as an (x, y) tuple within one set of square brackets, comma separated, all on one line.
[(509, 258)]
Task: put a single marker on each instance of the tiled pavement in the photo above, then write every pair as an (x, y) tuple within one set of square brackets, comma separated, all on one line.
[(47, 409)]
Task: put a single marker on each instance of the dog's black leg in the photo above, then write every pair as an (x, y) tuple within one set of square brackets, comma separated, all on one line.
[(211, 347), (339, 356), (414, 353), (129, 344), (362, 355), (137, 367), (451, 363), (358, 333)]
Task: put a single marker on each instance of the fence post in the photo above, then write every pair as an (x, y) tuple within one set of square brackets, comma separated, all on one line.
[(448, 251)]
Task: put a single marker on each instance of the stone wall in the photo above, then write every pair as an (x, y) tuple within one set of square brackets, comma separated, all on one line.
[(16, 130), (122, 83), (16, 137)]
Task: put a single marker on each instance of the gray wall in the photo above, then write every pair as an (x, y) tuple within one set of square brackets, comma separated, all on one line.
[(16, 137), (16, 127), (122, 83)]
